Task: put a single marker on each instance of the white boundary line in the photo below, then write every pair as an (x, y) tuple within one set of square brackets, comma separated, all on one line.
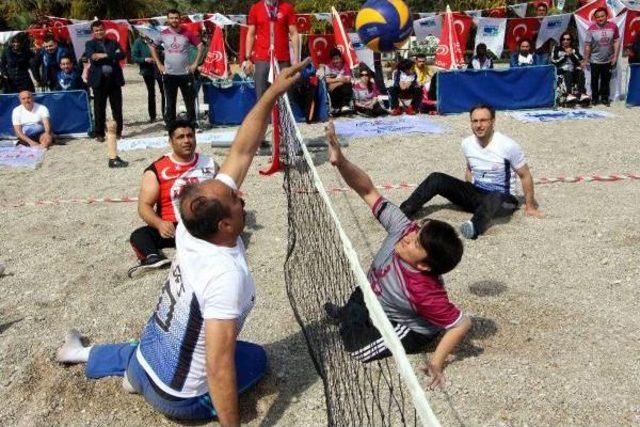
[(379, 318)]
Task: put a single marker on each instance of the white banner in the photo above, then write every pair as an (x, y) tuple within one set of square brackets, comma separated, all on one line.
[(221, 20), (552, 27), (519, 9), (429, 26), (426, 14), (323, 16), (240, 19), (491, 31), (152, 33), (474, 13), (616, 89), (80, 34), (616, 6), (364, 54)]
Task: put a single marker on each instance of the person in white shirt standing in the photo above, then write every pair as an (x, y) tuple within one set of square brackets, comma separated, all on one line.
[(188, 357), (490, 182), (31, 122)]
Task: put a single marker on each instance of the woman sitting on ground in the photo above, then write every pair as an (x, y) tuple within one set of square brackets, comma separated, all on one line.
[(405, 86), (567, 60), (366, 94)]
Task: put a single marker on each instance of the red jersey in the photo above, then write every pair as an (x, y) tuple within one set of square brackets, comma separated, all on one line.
[(173, 176), (259, 16)]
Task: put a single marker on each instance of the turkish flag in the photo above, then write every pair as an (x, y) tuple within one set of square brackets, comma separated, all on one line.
[(303, 23), (193, 27), (37, 34), (631, 26), (319, 47), (118, 32), (348, 20), (497, 12), (521, 29), (549, 3), (215, 63), (462, 23), (343, 42), (449, 53), (586, 12)]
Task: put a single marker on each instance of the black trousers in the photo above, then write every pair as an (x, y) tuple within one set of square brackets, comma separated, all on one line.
[(187, 89), (573, 81), (150, 83), (148, 241), (413, 92), (112, 92), (600, 78), (376, 111), (484, 205), (341, 96), (361, 338)]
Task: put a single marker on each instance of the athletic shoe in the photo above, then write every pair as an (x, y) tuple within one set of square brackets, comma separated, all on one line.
[(606, 103), (118, 163), (396, 111), (410, 111), (468, 230), (571, 98), (584, 98), (100, 138), (152, 262)]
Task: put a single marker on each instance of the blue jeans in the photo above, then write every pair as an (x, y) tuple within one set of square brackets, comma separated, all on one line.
[(115, 359)]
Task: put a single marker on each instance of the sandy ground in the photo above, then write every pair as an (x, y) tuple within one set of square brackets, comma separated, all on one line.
[(556, 334)]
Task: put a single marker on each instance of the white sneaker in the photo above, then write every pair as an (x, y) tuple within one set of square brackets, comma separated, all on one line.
[(571, 98), (345, 108), (584, 97), (468, 230)]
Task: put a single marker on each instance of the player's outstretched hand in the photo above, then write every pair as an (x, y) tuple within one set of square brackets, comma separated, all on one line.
[(533, 211), (288, 77), (335, 152)]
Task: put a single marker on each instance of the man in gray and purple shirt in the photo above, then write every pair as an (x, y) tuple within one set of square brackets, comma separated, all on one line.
[(177, 71), (602, 46)]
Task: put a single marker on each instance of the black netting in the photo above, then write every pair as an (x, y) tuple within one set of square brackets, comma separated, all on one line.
[(317, 271)]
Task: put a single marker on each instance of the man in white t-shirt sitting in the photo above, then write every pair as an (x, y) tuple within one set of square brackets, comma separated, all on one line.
[(493, 161), (188, 356), (31, 122)]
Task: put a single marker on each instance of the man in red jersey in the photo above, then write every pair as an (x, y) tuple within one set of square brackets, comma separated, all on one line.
[(158, 202), (271, 22)]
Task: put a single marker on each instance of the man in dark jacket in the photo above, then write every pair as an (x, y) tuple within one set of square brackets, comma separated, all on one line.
[(47, 62), (105, 78), (141, 55), (16, 60)]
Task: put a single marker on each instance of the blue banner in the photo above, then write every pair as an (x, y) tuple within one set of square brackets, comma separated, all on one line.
[(69, 111), (633, 91), (508, 89)]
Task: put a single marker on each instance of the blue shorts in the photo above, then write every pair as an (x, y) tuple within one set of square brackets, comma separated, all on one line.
[(116, 359)]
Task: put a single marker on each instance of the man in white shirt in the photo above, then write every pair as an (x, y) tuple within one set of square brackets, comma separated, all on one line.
[(188, 355), (490, 183), (31, 122)]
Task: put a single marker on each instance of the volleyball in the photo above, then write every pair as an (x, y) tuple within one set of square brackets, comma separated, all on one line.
[(384, 25)]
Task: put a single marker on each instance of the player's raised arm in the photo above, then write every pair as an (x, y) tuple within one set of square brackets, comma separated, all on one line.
[(355, 177), (252, 130)]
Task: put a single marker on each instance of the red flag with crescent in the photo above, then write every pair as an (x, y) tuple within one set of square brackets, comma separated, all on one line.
[(497, 12), (118, 32), (348, 20), (215, 63), (521, 29), (586, 12), (631, 26), (319, 47), (462, 24), (343, 42), (303, 23), (449, 53), (59, 29), (37, 34)]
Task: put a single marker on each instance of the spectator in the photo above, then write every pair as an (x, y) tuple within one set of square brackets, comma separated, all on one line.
[(338, 77), (366, 94), (47, 62), (31, 122), (162, 184), (105, 78), (304, 92), (568, 62), (69, 77), (602, 44), (15, 64), (544, 51), (523, 57), (404, 85), (271, 24), (480, 61), (634, 50), (177, 71), (492, 162), (422, 70), (141, 55), (112, 147)]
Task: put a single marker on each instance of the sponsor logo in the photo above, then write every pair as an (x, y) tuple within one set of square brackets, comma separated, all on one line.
[(490, 31)]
